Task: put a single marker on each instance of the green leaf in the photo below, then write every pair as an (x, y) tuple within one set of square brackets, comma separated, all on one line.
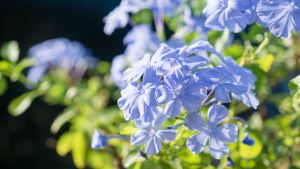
[(61, 119), (100, 160), (10, 51), (103, 67), (3, 86), (20, 104), (6, 67), (142, 17), (132, 158), (64, 144), (294, 85), (250, 152), (265, 62), (235, 50), (79, 147), (17, 71)]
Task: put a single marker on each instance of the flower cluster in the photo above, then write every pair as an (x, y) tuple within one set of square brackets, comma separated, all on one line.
[(119, 17), (140, 41), (279, 16), (59, 53), (174, 80)]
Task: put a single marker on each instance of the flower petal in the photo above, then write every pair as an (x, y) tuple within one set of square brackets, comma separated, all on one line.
[(153, 145), (216, 114), (197, 142), (173, 108), (222, 94), (194, 121), (218, 149), (227, 133), (139, 138), (166, 135)]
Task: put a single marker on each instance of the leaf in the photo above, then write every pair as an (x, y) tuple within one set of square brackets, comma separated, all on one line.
[(17, 71), (294, 85), (265, 62), (250, 152), (3, 86), (10, 51), (100, 160), (64, 144), (79, 147), (61, 119), (132, 158), (235, 50), (6, 67), (142, 17), (20, 104)]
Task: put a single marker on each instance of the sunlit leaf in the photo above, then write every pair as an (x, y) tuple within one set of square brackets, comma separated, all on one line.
[(251, 152), (3, 86), (79, 147), (10, 51), (100, 160), (64, 143), (20, 104), (294, 85), (234, 50), (265, 62), (61, 119)]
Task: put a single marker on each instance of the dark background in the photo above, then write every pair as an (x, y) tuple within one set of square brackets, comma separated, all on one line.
[(25, 141)]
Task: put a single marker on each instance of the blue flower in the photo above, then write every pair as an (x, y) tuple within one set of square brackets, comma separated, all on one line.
[(177, 94), (218, 135), (140, 41), (151, 135), (280, 16), (230, 163), (137, 69), (243, 77), (195, 23), (118, 66), (234, 15), (60, 53), (223, 82), (99, 140), (138, 100), (118, 18), (248, 141)]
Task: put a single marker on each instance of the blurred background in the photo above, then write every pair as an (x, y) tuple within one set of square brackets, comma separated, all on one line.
[(26, 141)]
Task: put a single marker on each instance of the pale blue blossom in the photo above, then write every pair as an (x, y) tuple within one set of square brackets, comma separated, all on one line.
[(195, 23), (118, 66), (233, 15), (140, 41), (218, 135), (62, 53), (98, 140), (243, 77), (151, 135), (280, 16), (178, 94), (120, 16), (138, 100), (222, 82)]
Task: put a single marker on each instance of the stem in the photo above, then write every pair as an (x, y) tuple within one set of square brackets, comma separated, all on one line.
[(117, 157), (159, 24), (221, 42), (208, 96), (264, 43), (124, 138)]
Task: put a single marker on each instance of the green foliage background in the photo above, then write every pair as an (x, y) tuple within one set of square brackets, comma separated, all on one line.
[(90, 104)]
